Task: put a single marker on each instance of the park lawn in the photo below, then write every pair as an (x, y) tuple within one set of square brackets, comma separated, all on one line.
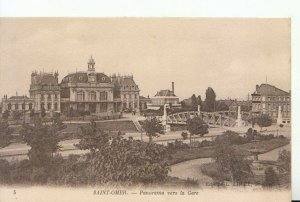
[(190, 154), (262, 146), (185, 154), (124, 126)]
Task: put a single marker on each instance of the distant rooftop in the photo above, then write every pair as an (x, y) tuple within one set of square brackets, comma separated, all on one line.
[(267, 89)]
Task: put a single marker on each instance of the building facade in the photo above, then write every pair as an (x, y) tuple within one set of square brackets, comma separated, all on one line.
[(128, 91), (17, 103), (89, 91), (267, 99), (163, 97), (144, 101), (45, 92)]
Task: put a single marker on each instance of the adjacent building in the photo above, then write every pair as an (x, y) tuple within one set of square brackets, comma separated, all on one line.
[(89, 91), (128, 91), (163, 97), (16, 103), (144, 101), (45, 92), (267, 99)]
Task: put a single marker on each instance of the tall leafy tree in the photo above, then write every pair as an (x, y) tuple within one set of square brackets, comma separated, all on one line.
[(196, 126), (199, 100), (43, 141), (210, 99), (232, 164), (194, 101), (264, 120), (153, 127)]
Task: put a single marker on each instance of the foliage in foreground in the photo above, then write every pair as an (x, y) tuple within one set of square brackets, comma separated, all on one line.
[(231, 163), (111, 160)]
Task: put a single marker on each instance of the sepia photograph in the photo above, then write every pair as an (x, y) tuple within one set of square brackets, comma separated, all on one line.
[(145, 106)]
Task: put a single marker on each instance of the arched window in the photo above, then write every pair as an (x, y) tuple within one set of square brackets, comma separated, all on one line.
[(55, 107), (80, 96), (16, 106), (93, 95), (9, 106), (49, 106), (30, 105), (42, 105)]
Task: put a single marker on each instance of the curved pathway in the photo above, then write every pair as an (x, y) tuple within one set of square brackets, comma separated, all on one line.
[(191, 169), (273, 154)]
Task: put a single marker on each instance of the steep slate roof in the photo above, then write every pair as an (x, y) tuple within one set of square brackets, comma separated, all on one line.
[(165, 93), (267, 89), (45, 79), (19, 97), (124, 81), (81, 77)]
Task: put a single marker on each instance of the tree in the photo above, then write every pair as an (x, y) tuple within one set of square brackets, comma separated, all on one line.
[(194, 102), (284, 158), (199, 100), (153, 127), (31, 113), (115, 159), (5, 134), (43, 140), (16, 115), (210, 100), (43, 112), (271, 178), (264, 120), (5, 115), (196, 126), (221, 106), (232, 164)]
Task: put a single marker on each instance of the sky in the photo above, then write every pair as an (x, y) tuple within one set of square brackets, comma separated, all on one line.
[(231, 55)]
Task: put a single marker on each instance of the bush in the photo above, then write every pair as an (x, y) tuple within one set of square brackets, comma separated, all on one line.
[(184, 135), (230, 138), (4, 171), (271, 178)]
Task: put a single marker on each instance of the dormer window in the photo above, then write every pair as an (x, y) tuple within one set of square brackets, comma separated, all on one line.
[(103, 78)]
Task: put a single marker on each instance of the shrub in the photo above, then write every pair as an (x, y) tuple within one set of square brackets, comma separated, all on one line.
[(4, 171), (184, 135), (271, 178)]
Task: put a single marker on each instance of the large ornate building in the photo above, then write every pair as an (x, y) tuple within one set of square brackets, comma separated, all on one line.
[(89, 91), (128, 91), (267, 99), (45, 92)]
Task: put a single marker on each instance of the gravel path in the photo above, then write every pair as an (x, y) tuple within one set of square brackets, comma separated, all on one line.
[(191, 169)]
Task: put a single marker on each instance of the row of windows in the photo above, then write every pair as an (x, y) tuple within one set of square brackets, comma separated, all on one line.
[(129, 105), (9, 106), (130, 96), (272, 98), (48, 106), (131, 87), (285, 107), (81, 96), (49, 96)]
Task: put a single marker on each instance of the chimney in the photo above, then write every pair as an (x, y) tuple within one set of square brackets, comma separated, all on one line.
[(257, 87), (173, 88)]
